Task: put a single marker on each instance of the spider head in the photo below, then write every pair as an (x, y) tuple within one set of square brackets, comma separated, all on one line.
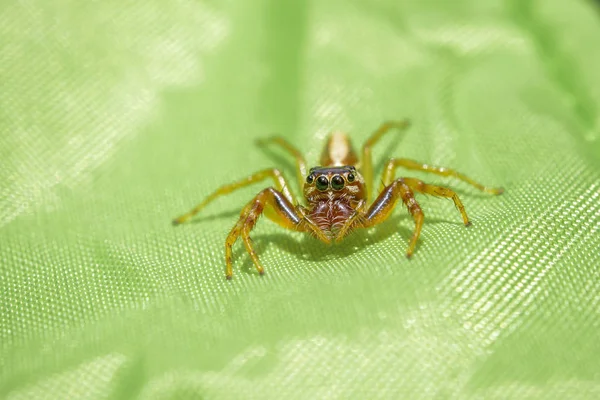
[(334, 183)]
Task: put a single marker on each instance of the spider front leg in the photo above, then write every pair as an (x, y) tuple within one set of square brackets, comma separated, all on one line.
[(275, 206), (275, 174), (280, 211), (383, 206)]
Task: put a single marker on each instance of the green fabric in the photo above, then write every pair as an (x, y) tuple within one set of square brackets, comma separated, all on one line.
[(117, 116)]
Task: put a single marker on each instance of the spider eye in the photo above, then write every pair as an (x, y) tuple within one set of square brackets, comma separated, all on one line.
[(350, 177), (337, 182), (310, 179), (322, 183)]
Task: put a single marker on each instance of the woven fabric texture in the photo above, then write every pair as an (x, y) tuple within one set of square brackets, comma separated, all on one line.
[(117, 116)]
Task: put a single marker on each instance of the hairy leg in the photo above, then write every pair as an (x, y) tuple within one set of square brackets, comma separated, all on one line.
[(279, 209), (383, 206), (280, 184), (390, 171), (438, 191)]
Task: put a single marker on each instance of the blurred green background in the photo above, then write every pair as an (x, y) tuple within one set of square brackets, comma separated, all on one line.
[(117, 116)]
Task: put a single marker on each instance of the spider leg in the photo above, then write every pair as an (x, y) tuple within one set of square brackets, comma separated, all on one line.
[(394, 163), (301, 169), (367, 162), (276, 207), (439, 191), (383, 206), (280, 183)]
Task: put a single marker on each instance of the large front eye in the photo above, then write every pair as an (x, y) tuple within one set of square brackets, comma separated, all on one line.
[(322, 183), (310, 179), (337, 182)]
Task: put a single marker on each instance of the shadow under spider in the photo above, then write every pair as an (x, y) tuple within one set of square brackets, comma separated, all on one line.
[(311, 249)]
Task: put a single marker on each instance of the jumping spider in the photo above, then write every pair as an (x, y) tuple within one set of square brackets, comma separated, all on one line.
[(337, 194)]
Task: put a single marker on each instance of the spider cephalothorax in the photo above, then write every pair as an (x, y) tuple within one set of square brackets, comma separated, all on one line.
[(338, 197)]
